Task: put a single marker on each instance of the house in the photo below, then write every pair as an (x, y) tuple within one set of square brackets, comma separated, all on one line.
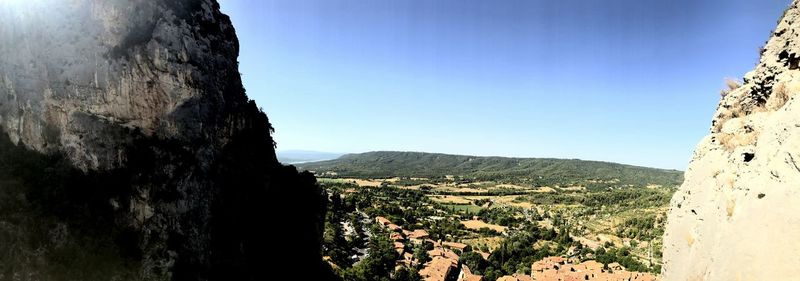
[(382, 221), (406, 260), (547, 263), (438, 269), (444, 253), (639, 276), (547, 275), (455, 246), (443, 261), (399, 247), (466, 274), (574, 277), (567, 268), (559, 269), (592, 266), (394, 227), (396, 237), (521, 277), (418, 236), (515, 277)]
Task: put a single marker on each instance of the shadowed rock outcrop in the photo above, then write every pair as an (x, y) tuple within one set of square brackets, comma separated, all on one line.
[(130, 150), (737, 215)]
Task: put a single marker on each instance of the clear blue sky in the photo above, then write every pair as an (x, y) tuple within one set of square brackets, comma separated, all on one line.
[(629, 81)]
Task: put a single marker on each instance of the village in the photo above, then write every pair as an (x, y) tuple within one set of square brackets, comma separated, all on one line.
[(379, 228), (444, 264)]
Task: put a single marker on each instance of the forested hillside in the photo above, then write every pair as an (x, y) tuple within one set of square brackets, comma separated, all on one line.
[(534, 171)]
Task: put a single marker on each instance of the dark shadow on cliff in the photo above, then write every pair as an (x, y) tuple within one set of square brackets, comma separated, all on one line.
[(200, 196), (269, 217), (56, 222), (255, 220)]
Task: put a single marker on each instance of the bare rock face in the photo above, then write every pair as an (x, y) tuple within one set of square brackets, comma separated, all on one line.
[(737, 215), (74, 72), (130, 151)]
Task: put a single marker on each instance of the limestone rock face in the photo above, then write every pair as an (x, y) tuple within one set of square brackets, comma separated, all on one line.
[(74, 73), (737, 214), (170, 169)]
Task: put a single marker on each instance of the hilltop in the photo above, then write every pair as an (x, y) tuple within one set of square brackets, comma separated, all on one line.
[(531, 171)]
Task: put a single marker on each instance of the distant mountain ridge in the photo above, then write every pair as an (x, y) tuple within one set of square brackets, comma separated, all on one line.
[(302, 156), (536, 171)]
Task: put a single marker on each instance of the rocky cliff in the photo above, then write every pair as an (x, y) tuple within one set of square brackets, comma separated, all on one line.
[(737, 215), (130, 151)]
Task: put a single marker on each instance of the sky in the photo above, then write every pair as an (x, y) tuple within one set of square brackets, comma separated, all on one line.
[(627, 81)]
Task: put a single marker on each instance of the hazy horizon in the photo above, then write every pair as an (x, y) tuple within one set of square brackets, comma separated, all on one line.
[(624, 81), (279, 152)]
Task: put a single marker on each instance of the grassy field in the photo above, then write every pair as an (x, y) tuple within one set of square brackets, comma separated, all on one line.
[(478, 224), (489, 242), (500, 201), (448, 199), (469, 209)]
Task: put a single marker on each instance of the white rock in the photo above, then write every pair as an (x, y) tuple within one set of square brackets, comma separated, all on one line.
[(734, 219)]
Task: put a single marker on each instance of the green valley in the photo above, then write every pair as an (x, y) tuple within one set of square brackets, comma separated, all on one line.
[(493, 208)]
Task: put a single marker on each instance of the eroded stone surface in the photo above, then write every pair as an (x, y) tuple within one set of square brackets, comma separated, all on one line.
[(737, 215), (147, 95), (77, 73)]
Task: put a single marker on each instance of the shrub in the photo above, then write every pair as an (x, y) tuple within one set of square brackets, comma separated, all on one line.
[(732, 141), (779, 96), (730, 85)]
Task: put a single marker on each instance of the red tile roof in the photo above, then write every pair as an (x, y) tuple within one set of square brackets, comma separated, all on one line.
[(444, 253), (466, 274), (437, 269), (454, 245), (548, 270), (515, 277), (418, 234), (382, 220), (396, 236)]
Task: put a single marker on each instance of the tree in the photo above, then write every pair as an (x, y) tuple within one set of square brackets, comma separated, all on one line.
[(474, 261), (335, 245), (380, 262), (421, 254), (404, 274)]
